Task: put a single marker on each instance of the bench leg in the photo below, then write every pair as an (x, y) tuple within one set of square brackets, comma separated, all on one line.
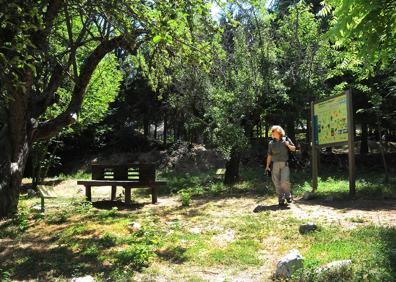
[(88, 193), (42, 204), (113, 192), (128, 195), (154, 194)]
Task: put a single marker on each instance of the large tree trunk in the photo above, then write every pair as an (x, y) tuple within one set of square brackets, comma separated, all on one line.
[(382, 150), (15, 141), (12, 167), (165, 133), (232, 167), (146, 127), (364, 140), (155, 131), (290, 129), (20, 126), (308, 132)]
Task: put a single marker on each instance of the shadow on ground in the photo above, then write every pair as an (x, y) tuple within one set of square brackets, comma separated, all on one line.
[(351, 204), (262, 208), (108, 205)]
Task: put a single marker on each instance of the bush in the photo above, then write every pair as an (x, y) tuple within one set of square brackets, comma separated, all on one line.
[(107, 240), (57, 218), (185, 197), (136, 256), (5, 275)]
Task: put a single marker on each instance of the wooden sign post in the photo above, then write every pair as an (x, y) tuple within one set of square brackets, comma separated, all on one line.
[(332, 125)]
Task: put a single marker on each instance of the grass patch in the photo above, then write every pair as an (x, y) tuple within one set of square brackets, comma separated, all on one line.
[(371, 249), (239, 252), (368, 184), (78, 175), (217, 230)]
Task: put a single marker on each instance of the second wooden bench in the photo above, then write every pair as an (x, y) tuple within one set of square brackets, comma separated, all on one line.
[(127, 176)]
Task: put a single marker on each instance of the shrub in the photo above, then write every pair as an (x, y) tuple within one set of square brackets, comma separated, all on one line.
[(185, 197), (136, 256), (107, 240)]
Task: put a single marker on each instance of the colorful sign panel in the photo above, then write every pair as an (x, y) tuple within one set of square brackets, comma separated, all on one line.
[(331, 121)]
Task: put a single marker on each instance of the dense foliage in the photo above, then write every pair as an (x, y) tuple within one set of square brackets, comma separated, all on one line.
[(213, 72)]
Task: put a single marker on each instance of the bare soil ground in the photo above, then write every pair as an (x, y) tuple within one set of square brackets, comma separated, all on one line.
[(207, 215)]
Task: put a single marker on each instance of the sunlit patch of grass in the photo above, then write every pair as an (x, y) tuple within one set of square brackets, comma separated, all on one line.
[(368, 184), (357, 219), (371, 249), (239, 252), (78, 175)]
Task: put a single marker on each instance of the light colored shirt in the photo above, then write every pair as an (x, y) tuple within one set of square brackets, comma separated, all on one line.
[(278, 150)]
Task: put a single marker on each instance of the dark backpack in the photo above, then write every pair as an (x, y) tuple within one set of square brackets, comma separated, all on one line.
[(293, 161)]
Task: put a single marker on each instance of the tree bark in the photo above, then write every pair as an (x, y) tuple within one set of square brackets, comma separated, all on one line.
[(50, 128), (146, 127), (15, 142), (290, 127), (308, 132), (21, 129), (364, 139), (12, 166), (382, 151), (165, 133), (155, 131), (232, 167)]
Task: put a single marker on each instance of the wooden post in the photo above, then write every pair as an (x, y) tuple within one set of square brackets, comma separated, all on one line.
[(88, 193), (113, 192), (314, 154), (154, 194), (128, 195), (42, 204), (351, 151)]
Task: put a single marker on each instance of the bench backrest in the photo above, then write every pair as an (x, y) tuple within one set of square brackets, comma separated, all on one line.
[(46, 191), (142, 173)]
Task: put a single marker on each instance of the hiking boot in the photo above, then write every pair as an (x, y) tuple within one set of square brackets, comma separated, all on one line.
[(282, 203), (289, 199)]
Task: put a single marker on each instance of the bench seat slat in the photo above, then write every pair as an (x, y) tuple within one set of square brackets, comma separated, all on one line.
[(119, 183)]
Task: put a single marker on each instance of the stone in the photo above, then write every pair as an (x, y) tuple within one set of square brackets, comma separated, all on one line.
[(308, 195), (195, 230), (35, 207), (87, 278), (335, 267), (307, 227), (289, 264), (31, 192), (134, 226)]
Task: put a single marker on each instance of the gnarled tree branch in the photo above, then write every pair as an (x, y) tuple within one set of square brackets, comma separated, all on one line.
[(50, 128)]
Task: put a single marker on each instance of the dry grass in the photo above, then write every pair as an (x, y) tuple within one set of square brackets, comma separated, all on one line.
[(214, 239)]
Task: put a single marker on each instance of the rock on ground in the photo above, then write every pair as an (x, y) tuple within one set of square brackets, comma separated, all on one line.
[(87, 278), (335, 266), (307, 227), (289, 263), (134, 226)]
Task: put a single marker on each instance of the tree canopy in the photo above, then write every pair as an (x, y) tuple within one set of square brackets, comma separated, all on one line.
[(143, 67)]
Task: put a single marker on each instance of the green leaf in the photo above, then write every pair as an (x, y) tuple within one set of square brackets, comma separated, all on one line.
[(157, 39)]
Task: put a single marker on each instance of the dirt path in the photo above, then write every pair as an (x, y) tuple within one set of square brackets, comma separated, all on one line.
[(348, 213)]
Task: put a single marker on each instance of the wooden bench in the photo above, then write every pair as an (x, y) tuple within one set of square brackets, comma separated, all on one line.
[(220, 173), (46, 192), (127, 176)]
